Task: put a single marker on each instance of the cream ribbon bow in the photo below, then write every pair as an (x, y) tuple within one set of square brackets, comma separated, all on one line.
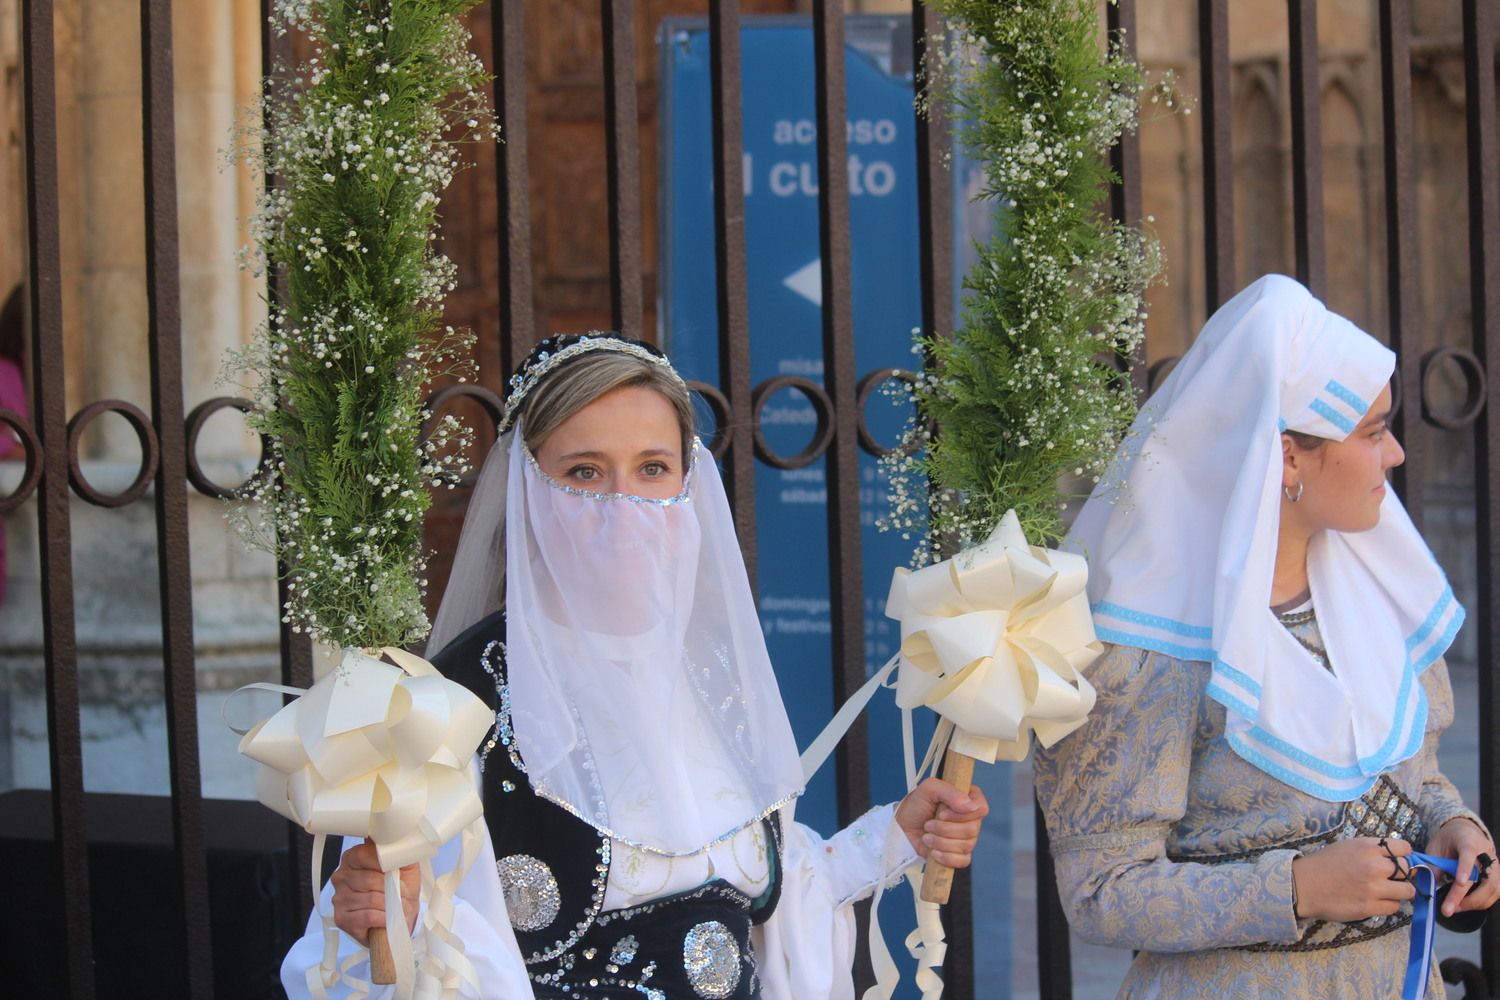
[(380, 751), (995, 640)]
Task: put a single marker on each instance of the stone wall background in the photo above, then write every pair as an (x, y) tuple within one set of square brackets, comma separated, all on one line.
[(217, 69)]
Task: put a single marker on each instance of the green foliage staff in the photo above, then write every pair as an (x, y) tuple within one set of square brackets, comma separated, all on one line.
[(362, 139), (1023, 392)]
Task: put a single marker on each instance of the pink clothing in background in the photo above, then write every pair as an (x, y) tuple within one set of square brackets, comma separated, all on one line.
[(12, 397)]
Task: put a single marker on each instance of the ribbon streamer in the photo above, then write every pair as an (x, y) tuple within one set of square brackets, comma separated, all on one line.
[(995, 640), (382, 752), (1424, 875)]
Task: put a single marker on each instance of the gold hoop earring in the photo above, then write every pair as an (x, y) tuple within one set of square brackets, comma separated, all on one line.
[(1291, 497)]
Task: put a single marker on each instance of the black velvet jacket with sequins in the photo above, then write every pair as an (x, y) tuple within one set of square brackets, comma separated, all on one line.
[(554, 869)]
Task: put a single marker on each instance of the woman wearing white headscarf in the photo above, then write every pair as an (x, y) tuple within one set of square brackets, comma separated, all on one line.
[(1263, 756), (640, 777)]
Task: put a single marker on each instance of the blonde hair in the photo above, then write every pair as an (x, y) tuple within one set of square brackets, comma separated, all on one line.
[(476, 585), (584, 379)]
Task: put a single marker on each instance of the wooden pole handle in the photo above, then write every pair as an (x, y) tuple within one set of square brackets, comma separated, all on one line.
[(937, 879), (382, 965)]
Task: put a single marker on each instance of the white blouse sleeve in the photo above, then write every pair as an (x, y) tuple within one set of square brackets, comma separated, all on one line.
[(805, 951), (479, 921)]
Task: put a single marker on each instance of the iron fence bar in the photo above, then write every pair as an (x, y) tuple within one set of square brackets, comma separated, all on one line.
[(164, 337), (1054, 947), (1218, 156), (845, 578), (295, 649), (1484, 299), (1308, 230), (934, 184), (622, 149), (1125, 194), (732, 283), (935, 240), (1053, 953), (1126, 203), (517, 314), (59, 638), (1401, 243)]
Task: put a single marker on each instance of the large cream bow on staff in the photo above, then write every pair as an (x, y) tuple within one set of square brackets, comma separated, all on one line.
[(995, 640), (380, 751)]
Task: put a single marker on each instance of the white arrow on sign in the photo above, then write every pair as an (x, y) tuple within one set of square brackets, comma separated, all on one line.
[(807, 282)]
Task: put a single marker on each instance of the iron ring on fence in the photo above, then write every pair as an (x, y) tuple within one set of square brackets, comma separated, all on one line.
[(488, 399), (822, 407), (32, 445), (1460, 971), (1158, 371), (1474, 384), (145, 434), (718, 445), (866, 386), (196, 418)]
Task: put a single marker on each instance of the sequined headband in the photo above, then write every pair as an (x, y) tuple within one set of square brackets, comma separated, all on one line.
[(547, 356)]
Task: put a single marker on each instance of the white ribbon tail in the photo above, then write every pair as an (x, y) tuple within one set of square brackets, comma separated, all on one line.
[(398, 935), (382, 752), (927, 942), (819, 749), (886, 973), (257, 686)]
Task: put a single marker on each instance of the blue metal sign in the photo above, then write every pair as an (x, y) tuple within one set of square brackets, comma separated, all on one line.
[(782, 257), (782, 253)]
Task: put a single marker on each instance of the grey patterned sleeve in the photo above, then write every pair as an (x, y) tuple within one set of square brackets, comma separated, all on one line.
[(1111, 793), (1438, 799)]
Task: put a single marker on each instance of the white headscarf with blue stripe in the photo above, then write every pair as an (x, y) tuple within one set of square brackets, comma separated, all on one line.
[(1181, 539)]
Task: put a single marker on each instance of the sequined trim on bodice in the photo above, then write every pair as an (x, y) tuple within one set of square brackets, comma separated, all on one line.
[(554, 869), (693, 944), (1303, 626)]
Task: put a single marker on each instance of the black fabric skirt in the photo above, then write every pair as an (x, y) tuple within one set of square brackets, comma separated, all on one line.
[(691, 946)]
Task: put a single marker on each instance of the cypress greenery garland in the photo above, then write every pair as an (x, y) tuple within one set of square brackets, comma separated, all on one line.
[(1023, 393), (362, 139)]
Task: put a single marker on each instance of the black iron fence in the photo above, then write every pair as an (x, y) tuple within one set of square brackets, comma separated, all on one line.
[(168, 436)]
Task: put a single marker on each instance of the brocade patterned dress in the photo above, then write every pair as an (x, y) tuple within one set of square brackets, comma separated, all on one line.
[(1168, 843)]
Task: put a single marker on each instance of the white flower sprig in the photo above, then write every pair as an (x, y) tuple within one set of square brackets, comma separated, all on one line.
[(1029, 390), (362, 140)]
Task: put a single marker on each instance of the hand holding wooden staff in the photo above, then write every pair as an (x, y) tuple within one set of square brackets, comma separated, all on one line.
[(359, 905), (994, 640), (382, 752)]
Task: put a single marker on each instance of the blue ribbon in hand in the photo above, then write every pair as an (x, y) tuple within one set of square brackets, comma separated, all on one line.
[(1424, 875)]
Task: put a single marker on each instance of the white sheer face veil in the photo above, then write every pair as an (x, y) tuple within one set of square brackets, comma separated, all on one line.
[(1181, 539), (641, 693)]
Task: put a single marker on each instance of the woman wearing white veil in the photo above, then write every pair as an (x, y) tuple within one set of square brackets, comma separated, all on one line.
[(640, 777), (1263, 756)]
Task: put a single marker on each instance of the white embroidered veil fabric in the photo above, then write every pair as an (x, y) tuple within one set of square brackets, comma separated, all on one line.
[(1181, 539), (641, 692)]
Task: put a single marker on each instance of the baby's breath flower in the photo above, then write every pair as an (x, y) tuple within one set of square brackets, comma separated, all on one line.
[(1025, 390), (340, 496)]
